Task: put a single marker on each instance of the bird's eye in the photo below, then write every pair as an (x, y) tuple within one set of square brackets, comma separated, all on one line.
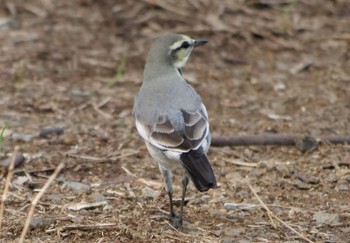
[(185, 45)]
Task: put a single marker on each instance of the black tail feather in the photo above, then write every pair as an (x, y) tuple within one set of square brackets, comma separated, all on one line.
[(199, 169)]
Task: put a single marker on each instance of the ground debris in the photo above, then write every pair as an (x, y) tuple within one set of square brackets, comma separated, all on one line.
[(80, 206), (301, 185), (7, 24), (41, 222), (308, 179), (322, 218), (302, 66), (150, 193), (18, 161), (76, 186), (22, 137), (45, 132)]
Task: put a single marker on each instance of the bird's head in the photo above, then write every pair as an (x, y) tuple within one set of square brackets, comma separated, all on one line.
[(173, 49)]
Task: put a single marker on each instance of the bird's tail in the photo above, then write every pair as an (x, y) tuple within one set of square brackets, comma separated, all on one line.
[(199, 169)]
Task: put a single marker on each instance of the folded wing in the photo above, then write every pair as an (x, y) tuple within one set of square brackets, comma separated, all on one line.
[(182, 132)]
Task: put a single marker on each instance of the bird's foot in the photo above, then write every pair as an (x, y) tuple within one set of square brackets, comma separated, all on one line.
[(177, 221)]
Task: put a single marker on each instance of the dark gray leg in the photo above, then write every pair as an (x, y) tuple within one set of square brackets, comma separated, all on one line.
[(185, 181), (169, 188), (177, 220)]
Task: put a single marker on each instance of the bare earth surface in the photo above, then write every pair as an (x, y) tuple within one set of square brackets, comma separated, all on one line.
[(269, 67)]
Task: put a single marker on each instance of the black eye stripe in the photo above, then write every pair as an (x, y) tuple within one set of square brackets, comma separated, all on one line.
[(185, 45)]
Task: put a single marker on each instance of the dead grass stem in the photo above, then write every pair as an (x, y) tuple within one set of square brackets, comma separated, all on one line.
[(7, 185), (36, 200), (271, 214)]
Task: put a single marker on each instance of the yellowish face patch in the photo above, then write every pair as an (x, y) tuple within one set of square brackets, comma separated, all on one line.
[(181, 54), (181, 58)]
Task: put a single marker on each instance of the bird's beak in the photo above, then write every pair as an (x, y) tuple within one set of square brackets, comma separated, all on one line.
[(199, 42)]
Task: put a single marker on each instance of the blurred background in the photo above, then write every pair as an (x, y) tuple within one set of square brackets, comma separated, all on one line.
[(271, 66)]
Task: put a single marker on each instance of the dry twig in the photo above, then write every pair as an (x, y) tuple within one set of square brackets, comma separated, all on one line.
[(101, 159), (80, 206), (7, 185), (105, 115), (84, 227), (128, 172), (274, 139), (270, 213), (241, 163), (36, 200)]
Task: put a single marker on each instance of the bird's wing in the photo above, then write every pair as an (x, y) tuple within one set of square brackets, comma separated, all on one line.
[(181, 132)]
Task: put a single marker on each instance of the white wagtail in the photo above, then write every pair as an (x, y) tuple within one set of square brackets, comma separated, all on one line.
[(172, 119)]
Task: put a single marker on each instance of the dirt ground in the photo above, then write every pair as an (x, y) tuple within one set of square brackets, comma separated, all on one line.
[(270, 67)]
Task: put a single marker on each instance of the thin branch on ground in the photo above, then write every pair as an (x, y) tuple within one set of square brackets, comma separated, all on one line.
[(270, 213), (128, 172), (84, 227), (101, 159), (7, 185), (105, 115), (36, 200), (241, 163), (275, 139)]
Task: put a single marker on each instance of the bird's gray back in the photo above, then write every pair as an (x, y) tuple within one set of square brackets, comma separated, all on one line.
[(157, 100)]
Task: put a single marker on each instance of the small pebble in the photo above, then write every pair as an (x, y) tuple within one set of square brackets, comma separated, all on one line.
[(230, 206), (326, 218), (45, 132), (301, 185), (78, 186), (150, 193), (18, 161), (97, 197), (38, 222), (22, 137)]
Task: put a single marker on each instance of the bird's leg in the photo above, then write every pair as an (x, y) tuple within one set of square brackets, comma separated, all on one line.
[(185, 181), (169, 188), (176, 219), (172, 214)]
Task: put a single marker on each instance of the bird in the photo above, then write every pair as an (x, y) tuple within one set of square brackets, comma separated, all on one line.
[(172, 119)]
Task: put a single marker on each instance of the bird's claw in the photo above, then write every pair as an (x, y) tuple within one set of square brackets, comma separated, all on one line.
[(177, 222)]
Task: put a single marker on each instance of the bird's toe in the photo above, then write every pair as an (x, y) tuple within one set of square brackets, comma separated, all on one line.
[(177, 222)]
